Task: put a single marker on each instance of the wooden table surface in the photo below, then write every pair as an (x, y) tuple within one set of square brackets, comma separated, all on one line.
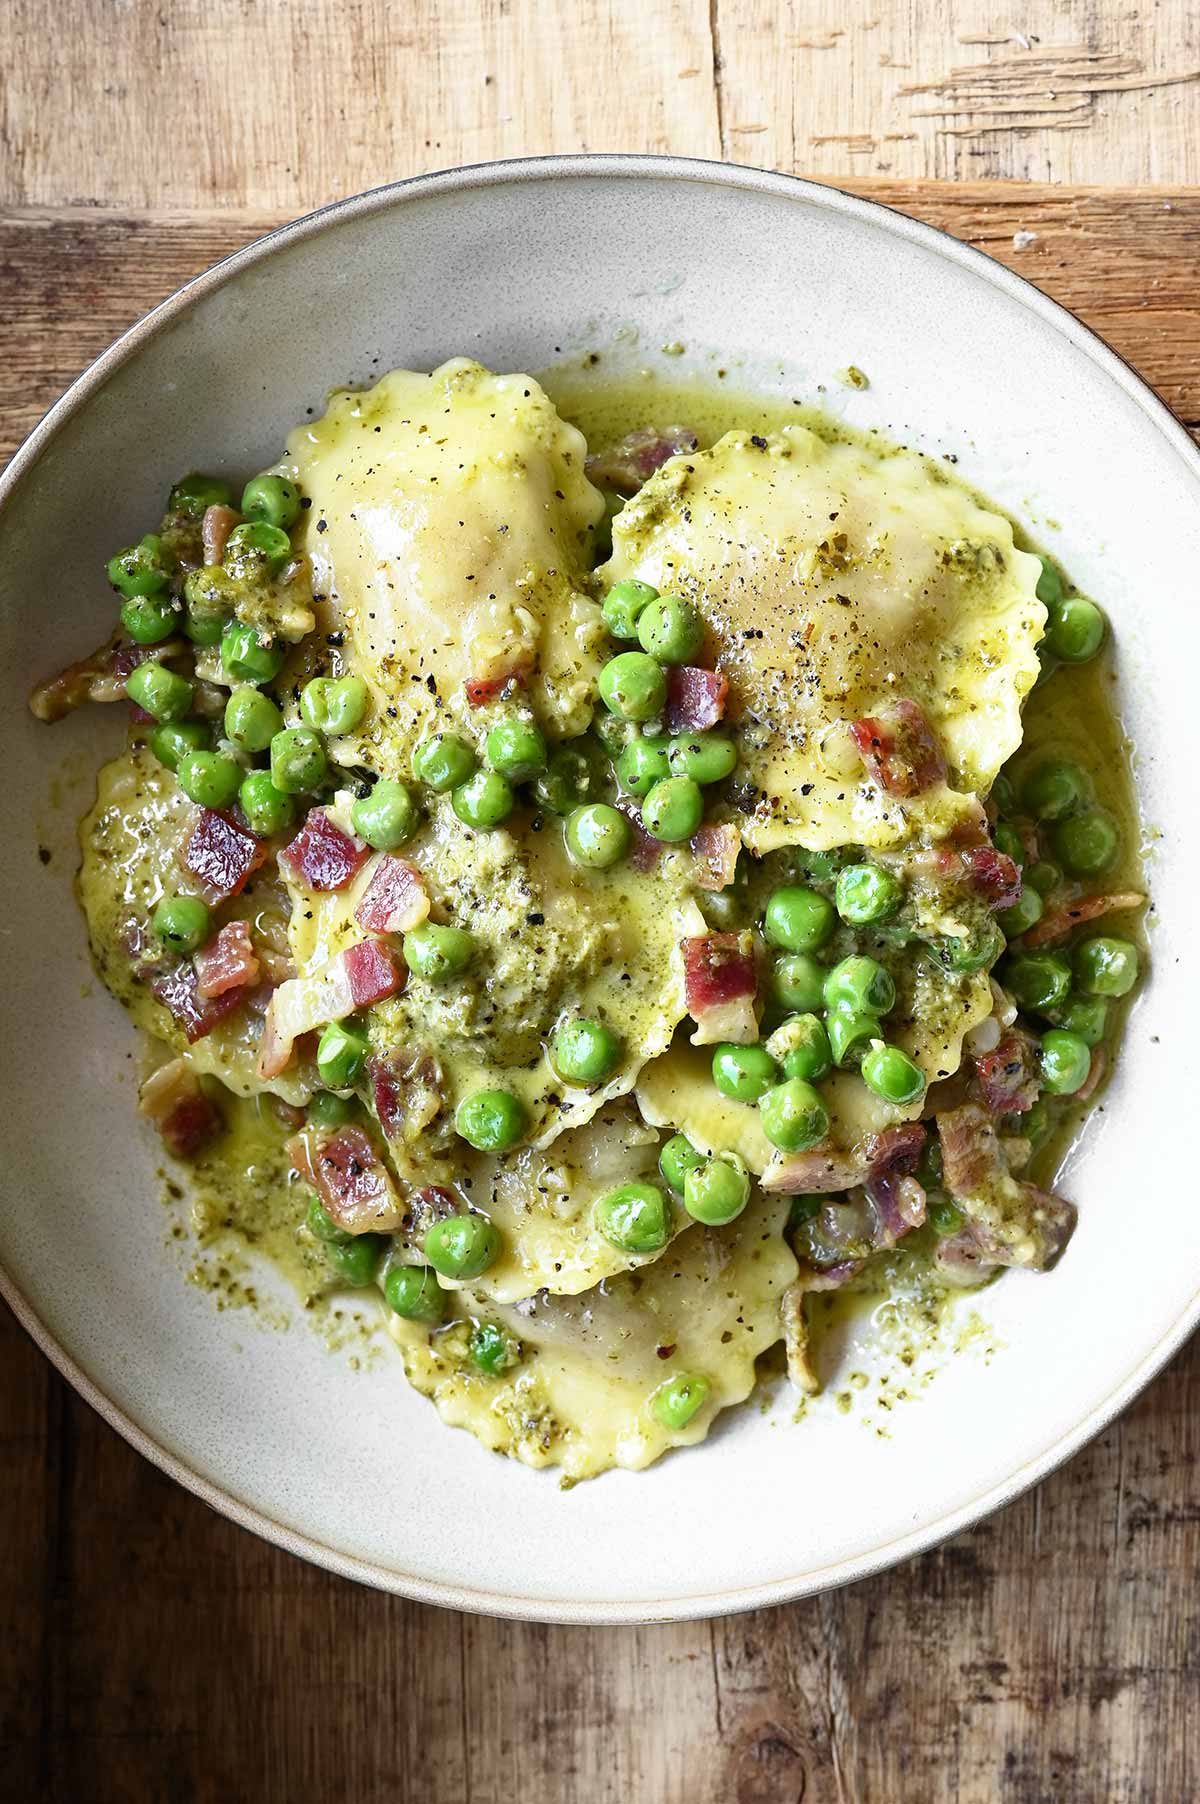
[(149, 1650)]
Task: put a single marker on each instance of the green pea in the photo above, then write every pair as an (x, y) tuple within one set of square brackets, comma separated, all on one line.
[(890, 1072), (624, 606), (633, 686), (1007, 839), (322, 1225), (716, 1191), (859, 982), (255, 547), (677, 1158), (443, 762), (704, 757), (251, 719), (149, 619), (333, 705), (325, 1110), (1084, 1016), (635, 1217), (358, 1260), (850, 1034), (176, 738), (866, 893), (181, 922), (195, 493), (437, 953), (743, 1073), (209, 779), (679, 1399), (929, 1168), (273, 499), (798, 919), (568, 780), (412, 1291), (1065, 1061), (1044, 877), (1088, 843), (1025, 913), (1106, 966), (159, 691), (462, 1246), (268, 810), (517, 749), (387, 817), (1037, 981), (298, 761), (673, 809), (798, 983), (491, 1120), (585, 1052), (971, 952), (1036, 1123), (802, 1209), (944, 1218), (1056, 788), (1074, 630), (801, 1047), (246, 658), (484, 801), (140, 569), (793, 1116), (1003, 795), (341, 1055), (201, 628), (642, 764), (493, 1350), (1049, 583), (670, 629), (597, 835)]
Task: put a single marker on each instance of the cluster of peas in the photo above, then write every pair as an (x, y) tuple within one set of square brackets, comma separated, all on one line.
[(1070, 989)]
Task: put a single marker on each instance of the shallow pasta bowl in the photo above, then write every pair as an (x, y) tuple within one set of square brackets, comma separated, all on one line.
[(783, 284)]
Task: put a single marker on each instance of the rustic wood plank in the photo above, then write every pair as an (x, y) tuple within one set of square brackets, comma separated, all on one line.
[(157, 1652), (216, 102)]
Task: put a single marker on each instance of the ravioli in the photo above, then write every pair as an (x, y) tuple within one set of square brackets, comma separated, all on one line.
[(449, 533), (552, 941), (834, 580), (580, 1396)]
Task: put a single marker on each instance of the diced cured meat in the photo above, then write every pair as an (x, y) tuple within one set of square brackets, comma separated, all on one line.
[(1059, 922), (173, 1100), (395, 900), (720, 985), (716, 848), (898, 1199), (644, 850), (98, 678), (879, 1160), (221, 854), (1012, 1222), (407, 1090), (176, 987), (992, 875), (626, 466), (322, 856), (372, 972), (215, 528), (299, 1007), (695, 699), (1008, 1076), (899, 749), (350, 1178), (228, 962), (486, 688)]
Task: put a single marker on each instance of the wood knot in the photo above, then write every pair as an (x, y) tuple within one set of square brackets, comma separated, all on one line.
[(768, 1767)]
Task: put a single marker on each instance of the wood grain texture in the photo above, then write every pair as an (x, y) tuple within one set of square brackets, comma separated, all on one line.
[(152, 1651), (290, 103)]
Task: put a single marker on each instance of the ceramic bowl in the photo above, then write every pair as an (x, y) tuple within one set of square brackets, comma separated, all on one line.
[(525, 264)]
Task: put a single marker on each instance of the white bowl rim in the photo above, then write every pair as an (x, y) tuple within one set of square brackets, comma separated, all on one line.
[(527, 170)]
